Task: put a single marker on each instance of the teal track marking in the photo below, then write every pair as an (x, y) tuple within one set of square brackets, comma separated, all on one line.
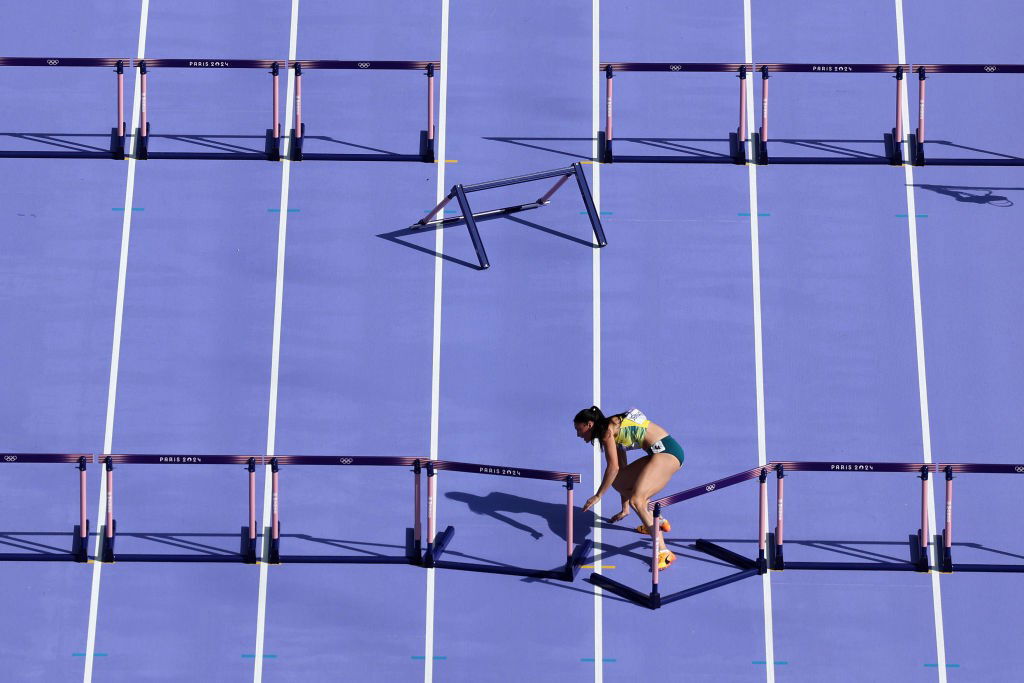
[(121, 208), (748, 214), (95, 654), (423, 657), (916, 215), (591, 659), (279, 210), (764, 661), (948, 666), (253, 656)]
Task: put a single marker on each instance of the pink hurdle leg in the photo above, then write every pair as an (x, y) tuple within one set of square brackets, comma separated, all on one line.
[(252, 504), (276, 104), (430, 102), (568, 521), (899, 109), (275, 513), (743, 107), (83, 531), (608, 106), (120, 100), (109, 532)]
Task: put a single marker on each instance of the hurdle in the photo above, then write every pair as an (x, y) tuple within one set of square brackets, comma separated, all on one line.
[(459, 192), (80, 531), (747, 567), (946, 563), (437, 544), (737, 153), (917, 138), (117, 133), (298, 133), (413, 539), (918, 542), (247, 536), (892, 141), (272, 137)]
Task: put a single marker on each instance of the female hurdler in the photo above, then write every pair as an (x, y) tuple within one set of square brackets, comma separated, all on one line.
[(638, 481)]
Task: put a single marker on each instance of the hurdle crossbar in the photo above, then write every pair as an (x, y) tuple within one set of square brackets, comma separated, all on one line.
[(747, 567), (80, 531), (737, 139), (116, 149), (413, 539), (892, 141), (437, 544), (459, 192), (272, 136), (918, 542), (298, 133), (917, 138), (945, 540), (247, 536)]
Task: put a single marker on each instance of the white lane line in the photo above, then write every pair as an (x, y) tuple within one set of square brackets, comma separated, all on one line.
[(435, 372), (755, 264), (115, 361), (275, 354), (595, 123), (922, 381)]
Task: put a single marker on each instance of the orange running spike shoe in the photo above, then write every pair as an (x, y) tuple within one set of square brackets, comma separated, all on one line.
[(665, 527), (665, 558)]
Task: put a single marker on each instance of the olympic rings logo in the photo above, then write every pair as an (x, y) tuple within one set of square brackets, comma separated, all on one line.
[(364, 65), (53, 62), (990, 69), (345, 461), (1019, 469), (676, 67), (709, 488), (11, 458)]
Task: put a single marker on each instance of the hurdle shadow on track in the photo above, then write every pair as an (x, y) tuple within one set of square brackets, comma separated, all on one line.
[(973, 195), (531, 143), (495, 503), (33, 545), (65, 146), (369, 153), (396, 237), (841, 151), (198, 550), (216, 146)]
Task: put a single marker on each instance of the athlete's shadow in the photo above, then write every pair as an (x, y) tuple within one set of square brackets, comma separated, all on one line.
[(973, 195), (496, 504)]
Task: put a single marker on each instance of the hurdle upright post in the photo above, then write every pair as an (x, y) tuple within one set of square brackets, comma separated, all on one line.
[(251, 467), (107, 548), (609, 73), (947, 533), (922, 560), (780, 475), (430, 102), (275, 72), (764, 104), (417, 537), (568, 524), (743, 104), (920, 104), (298, 100), (554, 188), (120, 97), (655, 535), (428, 559), (899, 106), (81, 543), (142, 142), (762, 520), (275, 520)]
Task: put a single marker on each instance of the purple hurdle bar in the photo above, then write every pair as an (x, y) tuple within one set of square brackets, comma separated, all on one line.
[(413, 536), (298, 133), (80, 533), (747, 567), (117, 133), (271, 150), (737, 153), (891, 140), (946, 563), (917, 142), (918, 563), (438, 543), (247, 552)]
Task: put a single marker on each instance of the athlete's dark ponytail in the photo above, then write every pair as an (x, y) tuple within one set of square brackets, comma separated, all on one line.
[(594, 414)]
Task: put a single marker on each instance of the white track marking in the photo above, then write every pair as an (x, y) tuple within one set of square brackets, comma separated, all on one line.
[(115, 361), (595, 75), (435, 372), (755, 264), (275, 357), (922, 382)]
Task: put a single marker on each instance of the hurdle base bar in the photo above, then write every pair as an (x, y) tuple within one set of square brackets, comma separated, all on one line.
[(411, 556), (433, 558), (246, 553), (918, 561), (297, 153), (893, 155), (737, 154), (947, 565), (271, 150), (79, 550), (654, 599)]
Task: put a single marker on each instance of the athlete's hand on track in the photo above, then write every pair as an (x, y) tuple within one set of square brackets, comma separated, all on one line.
[(591, 502)]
